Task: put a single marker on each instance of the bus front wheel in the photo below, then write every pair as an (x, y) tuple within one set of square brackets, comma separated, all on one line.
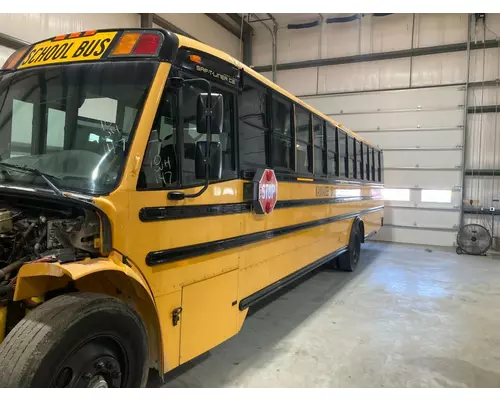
[(76, 340), (348, 261)]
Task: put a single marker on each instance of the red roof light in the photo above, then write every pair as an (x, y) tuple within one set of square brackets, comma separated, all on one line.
[(147, 44)]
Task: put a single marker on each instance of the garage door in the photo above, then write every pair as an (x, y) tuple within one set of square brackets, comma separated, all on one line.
[(421, 133)]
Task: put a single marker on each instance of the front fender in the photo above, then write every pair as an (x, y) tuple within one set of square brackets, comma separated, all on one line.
[(101, 275), (35, 279)]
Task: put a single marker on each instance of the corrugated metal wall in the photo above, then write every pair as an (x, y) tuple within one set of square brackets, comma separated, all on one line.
[(395, 32), (31, 27)]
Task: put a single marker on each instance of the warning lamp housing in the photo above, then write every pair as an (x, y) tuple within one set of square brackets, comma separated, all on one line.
[(14, 58), (137, 43)]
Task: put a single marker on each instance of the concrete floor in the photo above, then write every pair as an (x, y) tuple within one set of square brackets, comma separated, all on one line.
[(408, 317)]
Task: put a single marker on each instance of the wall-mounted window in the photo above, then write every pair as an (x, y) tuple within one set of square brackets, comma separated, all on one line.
[(319, 146), (303, 140), (436, 196), (253, 123), (378, 163), (281, 134), (331, 145), (343, 158), (396, 194)]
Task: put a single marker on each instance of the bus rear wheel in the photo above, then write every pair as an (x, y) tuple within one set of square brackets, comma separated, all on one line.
[(348, 261), (76, 340)]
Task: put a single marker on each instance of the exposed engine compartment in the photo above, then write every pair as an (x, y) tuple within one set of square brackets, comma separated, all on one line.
[(32, 232)]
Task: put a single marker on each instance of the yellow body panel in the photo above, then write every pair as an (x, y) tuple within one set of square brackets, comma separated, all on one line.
[(209, 314), (3, 322)]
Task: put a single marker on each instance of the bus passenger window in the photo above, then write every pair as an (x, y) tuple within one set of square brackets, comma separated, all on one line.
[(303, 139), (378, 171), (331, 145), (342, 146), (253, 124), (359, 160), (319, 146), (351, 157), (281, 134), (373, 154), (367, 160)]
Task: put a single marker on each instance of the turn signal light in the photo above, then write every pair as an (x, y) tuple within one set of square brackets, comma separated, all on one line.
[(126, 44), (14, 58), (195, 58)]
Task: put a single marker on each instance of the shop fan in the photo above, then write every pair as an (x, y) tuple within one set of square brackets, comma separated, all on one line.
[(473, 239)]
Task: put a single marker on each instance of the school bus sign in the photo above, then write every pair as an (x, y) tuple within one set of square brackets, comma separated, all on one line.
[(89, 46)]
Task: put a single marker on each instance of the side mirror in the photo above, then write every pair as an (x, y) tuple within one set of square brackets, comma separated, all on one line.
[(214, 164), (213, 115)]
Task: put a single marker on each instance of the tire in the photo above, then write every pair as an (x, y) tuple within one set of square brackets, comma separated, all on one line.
[(348, 261), (76, 340)]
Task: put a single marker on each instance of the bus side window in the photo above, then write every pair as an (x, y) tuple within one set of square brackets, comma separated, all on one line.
[(366, 160), (253, 125), (159, 165), (303, 140), (343, 156), (378, 172), (351, 157), (281, 134), (359, 160), (320, 162), (331, 145)]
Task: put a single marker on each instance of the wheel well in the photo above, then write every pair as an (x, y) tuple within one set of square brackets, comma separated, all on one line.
[(110, 282), (361, 227), (130, 291)]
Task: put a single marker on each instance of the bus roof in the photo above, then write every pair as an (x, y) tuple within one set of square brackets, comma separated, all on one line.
[(191, 43)]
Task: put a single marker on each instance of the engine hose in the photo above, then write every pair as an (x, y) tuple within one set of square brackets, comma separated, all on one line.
[(5, 289), (12, 267)]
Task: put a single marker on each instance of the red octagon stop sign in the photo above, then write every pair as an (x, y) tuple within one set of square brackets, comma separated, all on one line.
[(267, 191)]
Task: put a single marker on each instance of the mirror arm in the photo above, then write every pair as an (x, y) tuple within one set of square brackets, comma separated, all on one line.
[(177, 195)]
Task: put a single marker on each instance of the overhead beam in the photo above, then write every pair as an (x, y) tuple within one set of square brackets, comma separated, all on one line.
[(225, 24), (11, 42), (421, 51), (170, 27), (146, 20), (239, 20)]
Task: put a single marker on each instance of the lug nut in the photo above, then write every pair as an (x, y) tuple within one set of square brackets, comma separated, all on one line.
[(110, 365), (87, 376), (116, 374), (99, 365)]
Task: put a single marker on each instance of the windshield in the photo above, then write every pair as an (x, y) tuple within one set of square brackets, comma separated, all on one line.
[(73, 122)]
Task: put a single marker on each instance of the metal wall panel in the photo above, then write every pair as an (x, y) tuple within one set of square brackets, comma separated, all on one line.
[(483, 141), (416, 236), (5, 52), (423, 158), (422, 218), (402, 120), (423, 178), (390, 100), (412, 138), (32, 27)]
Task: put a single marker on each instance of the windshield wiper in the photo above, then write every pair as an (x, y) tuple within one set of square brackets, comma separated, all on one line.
[(35, 171)]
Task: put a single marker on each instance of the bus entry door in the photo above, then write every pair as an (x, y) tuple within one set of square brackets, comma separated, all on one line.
[(209, 314)]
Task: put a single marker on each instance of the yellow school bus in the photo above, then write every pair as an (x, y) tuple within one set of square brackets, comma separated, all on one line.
[(152, 189)]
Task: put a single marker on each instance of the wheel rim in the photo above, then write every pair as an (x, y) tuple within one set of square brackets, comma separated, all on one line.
[(97, 363)]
